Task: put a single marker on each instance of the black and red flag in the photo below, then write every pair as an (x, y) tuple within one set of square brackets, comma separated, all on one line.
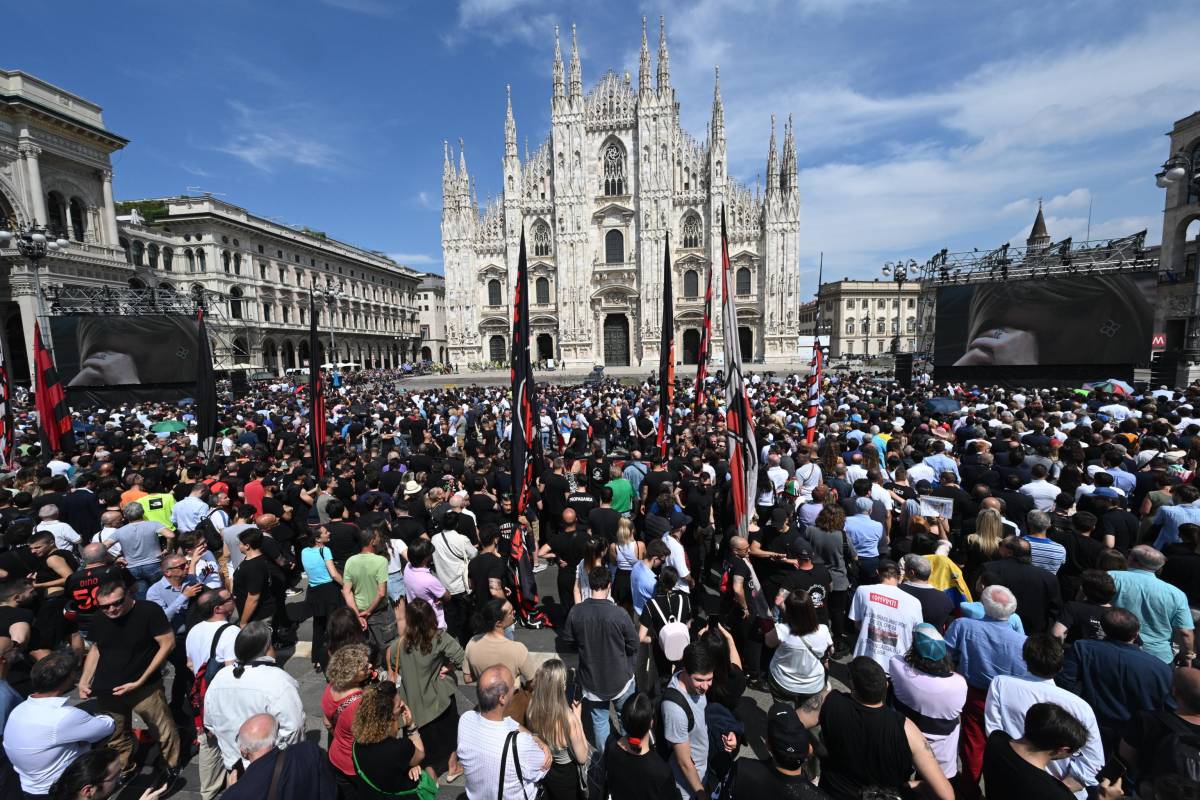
[(54, 418), (526, 454), (206, 389), (666, 357), (705, 347), (6, 411), (739, 420), (316, 391)]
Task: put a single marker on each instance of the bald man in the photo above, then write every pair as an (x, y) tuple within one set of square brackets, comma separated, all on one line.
[(82, 584), (481, 741), (1143, 739), (302, 775)]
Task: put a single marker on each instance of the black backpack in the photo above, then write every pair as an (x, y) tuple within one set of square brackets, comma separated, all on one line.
[(1178, 752), (212, 536), (670, 695)]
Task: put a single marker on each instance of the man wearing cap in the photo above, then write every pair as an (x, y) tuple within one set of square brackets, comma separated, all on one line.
[(813, 579), (789, 745)]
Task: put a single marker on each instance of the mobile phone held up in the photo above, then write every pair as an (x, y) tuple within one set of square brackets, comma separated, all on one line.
[(574, 689)]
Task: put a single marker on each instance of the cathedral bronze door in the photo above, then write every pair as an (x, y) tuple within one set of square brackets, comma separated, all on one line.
[(616, 340)]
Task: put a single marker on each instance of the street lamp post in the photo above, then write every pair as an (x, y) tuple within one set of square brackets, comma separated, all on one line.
[(34, 242), (1185, 170), (867, 332), (331, 295), (899, 272)]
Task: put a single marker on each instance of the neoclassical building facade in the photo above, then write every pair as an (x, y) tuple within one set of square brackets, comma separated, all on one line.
[(596, 201), (259, 273)]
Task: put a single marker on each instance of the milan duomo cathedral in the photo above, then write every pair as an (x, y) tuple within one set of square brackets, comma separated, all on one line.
[(596, 201)]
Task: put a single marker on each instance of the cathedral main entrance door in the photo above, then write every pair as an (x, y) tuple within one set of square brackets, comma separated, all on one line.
[(616, 340)]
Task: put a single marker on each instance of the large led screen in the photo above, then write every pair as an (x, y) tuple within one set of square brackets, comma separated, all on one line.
[(97, 351)]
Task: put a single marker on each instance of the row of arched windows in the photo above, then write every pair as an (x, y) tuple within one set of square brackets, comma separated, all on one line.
[(614, 240), (140, 254)]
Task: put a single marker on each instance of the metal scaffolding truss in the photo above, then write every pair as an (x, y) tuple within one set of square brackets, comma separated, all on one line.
[(1008, 263), (224, 332)]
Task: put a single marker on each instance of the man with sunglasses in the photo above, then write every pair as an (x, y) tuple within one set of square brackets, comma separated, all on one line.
[(131, 640), (174, 593)]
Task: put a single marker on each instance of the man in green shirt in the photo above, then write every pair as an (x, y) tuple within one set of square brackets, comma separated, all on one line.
[(158, 505), (364, 588), (622, 490)]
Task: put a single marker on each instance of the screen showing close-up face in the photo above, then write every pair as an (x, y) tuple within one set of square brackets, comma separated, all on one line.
[(1077, 319), (96, 351)]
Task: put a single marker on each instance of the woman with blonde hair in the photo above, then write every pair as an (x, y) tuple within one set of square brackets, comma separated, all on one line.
[(378, 750), (984, 544), (557, 721), (625, 552)]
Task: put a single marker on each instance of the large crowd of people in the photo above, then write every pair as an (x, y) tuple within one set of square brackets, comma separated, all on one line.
[(992, 594)]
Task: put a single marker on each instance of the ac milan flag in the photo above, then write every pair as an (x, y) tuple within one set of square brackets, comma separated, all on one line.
[(526, 454), (814, 392), (206, 389), (54, 418), (316, 391), (817, 368), (739, 420), (666, 357), (6, 411), (705, 347)]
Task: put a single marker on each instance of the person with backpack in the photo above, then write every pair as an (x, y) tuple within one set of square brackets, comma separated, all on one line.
[(1165, 741), (210, 647), (802, 646), (683, 738), (664, 624)]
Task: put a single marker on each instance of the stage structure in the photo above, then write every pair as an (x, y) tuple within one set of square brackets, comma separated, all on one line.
[(1074, 271), (223, 330)]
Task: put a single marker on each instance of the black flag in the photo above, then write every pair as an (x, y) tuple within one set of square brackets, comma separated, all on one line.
[(206, 389), (666, 357), (316, 391)]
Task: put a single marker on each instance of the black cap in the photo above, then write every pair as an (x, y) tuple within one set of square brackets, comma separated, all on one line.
[(787, 738), (680, 520), (656, 525), (801, 549)]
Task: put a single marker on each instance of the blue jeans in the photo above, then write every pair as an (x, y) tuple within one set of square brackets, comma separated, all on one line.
[(598, 711), (144, 576)]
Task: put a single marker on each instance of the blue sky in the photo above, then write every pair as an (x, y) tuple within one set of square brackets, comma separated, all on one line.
[(920, 125)]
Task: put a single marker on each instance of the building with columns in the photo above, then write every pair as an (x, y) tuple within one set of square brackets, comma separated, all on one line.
[(596, 201), (431, 310), (259, 274), (55, 171), (859, 318)]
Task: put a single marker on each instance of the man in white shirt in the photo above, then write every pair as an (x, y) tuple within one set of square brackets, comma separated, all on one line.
[(807, 472), (452, 552), (44, 734), (253, 686), (1009, 697), (484, 747), (215, 608), (1042, 492), (65, 537), (886, 616)]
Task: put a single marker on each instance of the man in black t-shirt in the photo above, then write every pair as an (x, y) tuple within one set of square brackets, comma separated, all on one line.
[(790, 745), (343, 534), (1080, 619), (81, 586), (582, 503), (131, 640), (554, 489), (1017, 767), (813, 579), (603, 521), (487, 572), (597, 468), (252, 587)]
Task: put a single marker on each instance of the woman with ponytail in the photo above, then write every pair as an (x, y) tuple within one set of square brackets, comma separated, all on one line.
[(632, 770)]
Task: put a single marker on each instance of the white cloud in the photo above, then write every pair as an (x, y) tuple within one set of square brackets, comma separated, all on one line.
[(269, 138), (502, 21), (425, 200)]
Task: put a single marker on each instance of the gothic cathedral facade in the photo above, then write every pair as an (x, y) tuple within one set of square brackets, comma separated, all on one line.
[(596, 201)]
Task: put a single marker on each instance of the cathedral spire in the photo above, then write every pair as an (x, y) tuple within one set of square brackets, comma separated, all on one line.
[(664, 63), (644, 63), (558, 66), (510, 128), (788, 176), (718, 111), (1039, 236), (576, 70), (462, 163), (448, 175), (772, 161)]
